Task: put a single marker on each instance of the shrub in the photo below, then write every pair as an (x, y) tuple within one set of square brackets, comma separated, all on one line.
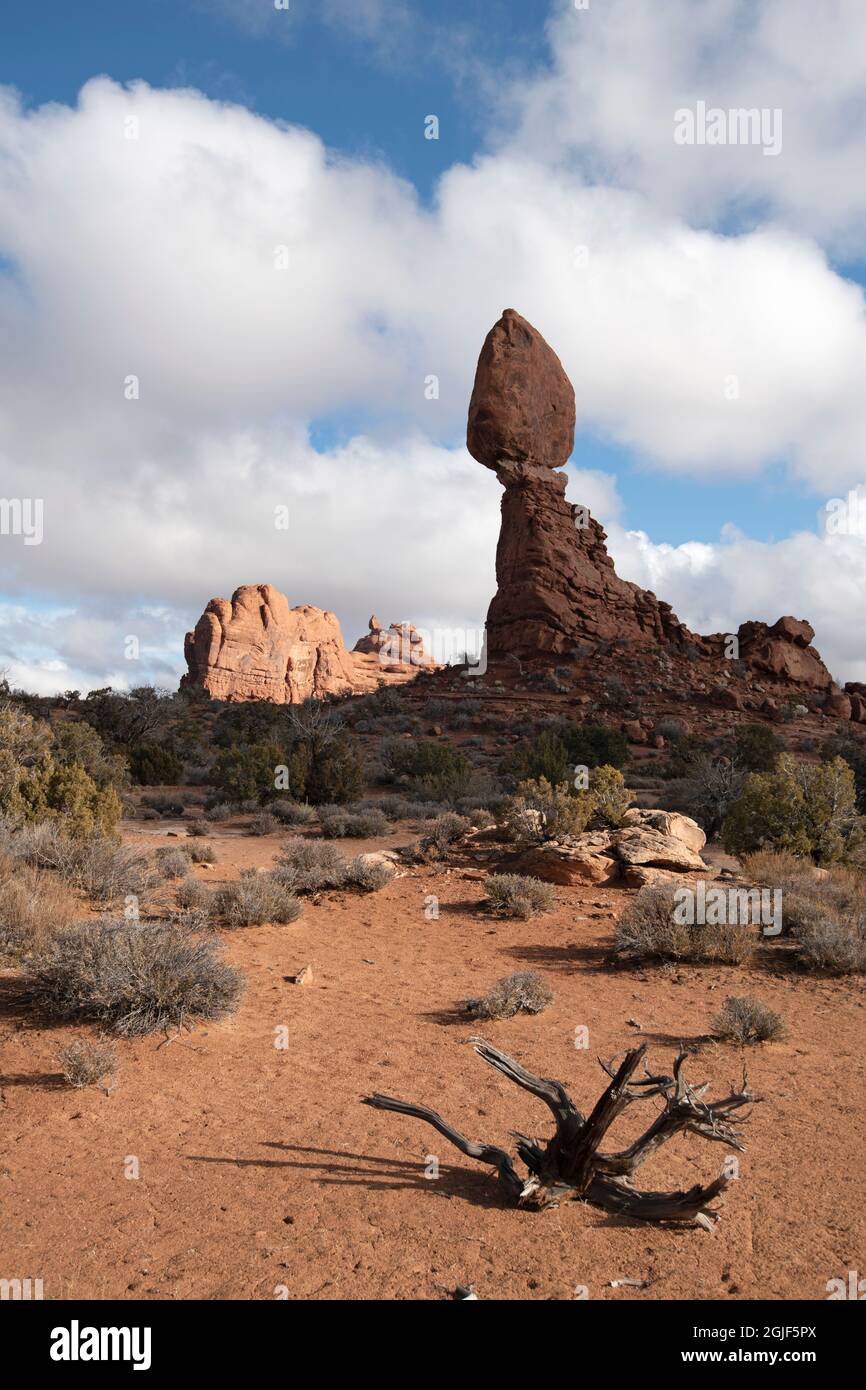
[(596, 745), (446, 830), (756, 748), (806, 808), (73, 742), (649, 930), (341, 824), (397, 807), (540, 811), (254, 899), (165, 805), (202, 854), (514, 895), (108, 871), (837, 946), (32, 906), (439, 769), (545, 757), (172, 863), (745, 1020), (247, 772), (155, 764), (524, 991), (264, 824), (193, 896), (132, 979), (310, 865), (220, 811), (853, 750), (86, 1063), (198, 827), (368, 874), (609, 795), (293, 812)]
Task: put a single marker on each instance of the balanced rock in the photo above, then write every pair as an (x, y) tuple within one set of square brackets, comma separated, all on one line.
[(558, 594)]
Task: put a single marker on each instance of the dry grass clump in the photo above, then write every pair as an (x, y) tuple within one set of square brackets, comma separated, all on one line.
[(264, 824), (86, 1063), (132, 979), (745, 1020), (172, 863), (254, 899), (32, 906), (310, 865), (202, 854), (515, 895), (824, 910), (293, 812), (523, 992), (648, 930), (338, 823), (368, 874), (199, 827)]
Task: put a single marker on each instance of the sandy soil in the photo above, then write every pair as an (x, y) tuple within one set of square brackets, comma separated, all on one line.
[(259, 1170)]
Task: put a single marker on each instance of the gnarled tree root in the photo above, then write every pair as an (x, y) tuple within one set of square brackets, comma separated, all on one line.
[(571, 1165)]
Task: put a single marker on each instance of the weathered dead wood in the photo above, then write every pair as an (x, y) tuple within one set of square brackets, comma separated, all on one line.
[(571, 1165)]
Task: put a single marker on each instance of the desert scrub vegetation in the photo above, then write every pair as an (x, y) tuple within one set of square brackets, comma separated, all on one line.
[(41, 780), (131, 979), (555, 751), (202, 854), (437, 770), (256, 898), (308, 866), (264, 824), (368, 874), (809, 809), (823, 910), (442, 833), (523, 992), (311, 866), (85, 1063), (746, 1021), (541, 811), (340, 823), (32, 905), (649, 930), (516, 895), (172, 863), (305, 750), (292, 812)]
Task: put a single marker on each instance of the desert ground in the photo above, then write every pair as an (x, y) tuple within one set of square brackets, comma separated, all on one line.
[(261, 1176)]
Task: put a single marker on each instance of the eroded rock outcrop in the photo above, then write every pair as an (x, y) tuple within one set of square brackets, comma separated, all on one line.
[(558, 593), (257, 647), (401, 644), (649, 847)]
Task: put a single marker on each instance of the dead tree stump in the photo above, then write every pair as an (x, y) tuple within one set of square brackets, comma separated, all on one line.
[(571, 1164)]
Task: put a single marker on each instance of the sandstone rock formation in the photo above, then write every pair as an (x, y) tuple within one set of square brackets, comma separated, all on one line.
[(401, 644), (650, 847), (558, 594), (257, 647)]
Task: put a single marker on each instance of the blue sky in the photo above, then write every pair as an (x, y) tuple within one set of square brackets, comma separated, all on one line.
[(554, 128), (363, 98)]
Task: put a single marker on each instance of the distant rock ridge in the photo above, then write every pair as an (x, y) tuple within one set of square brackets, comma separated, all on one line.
[(257, 647), (558, 594)]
